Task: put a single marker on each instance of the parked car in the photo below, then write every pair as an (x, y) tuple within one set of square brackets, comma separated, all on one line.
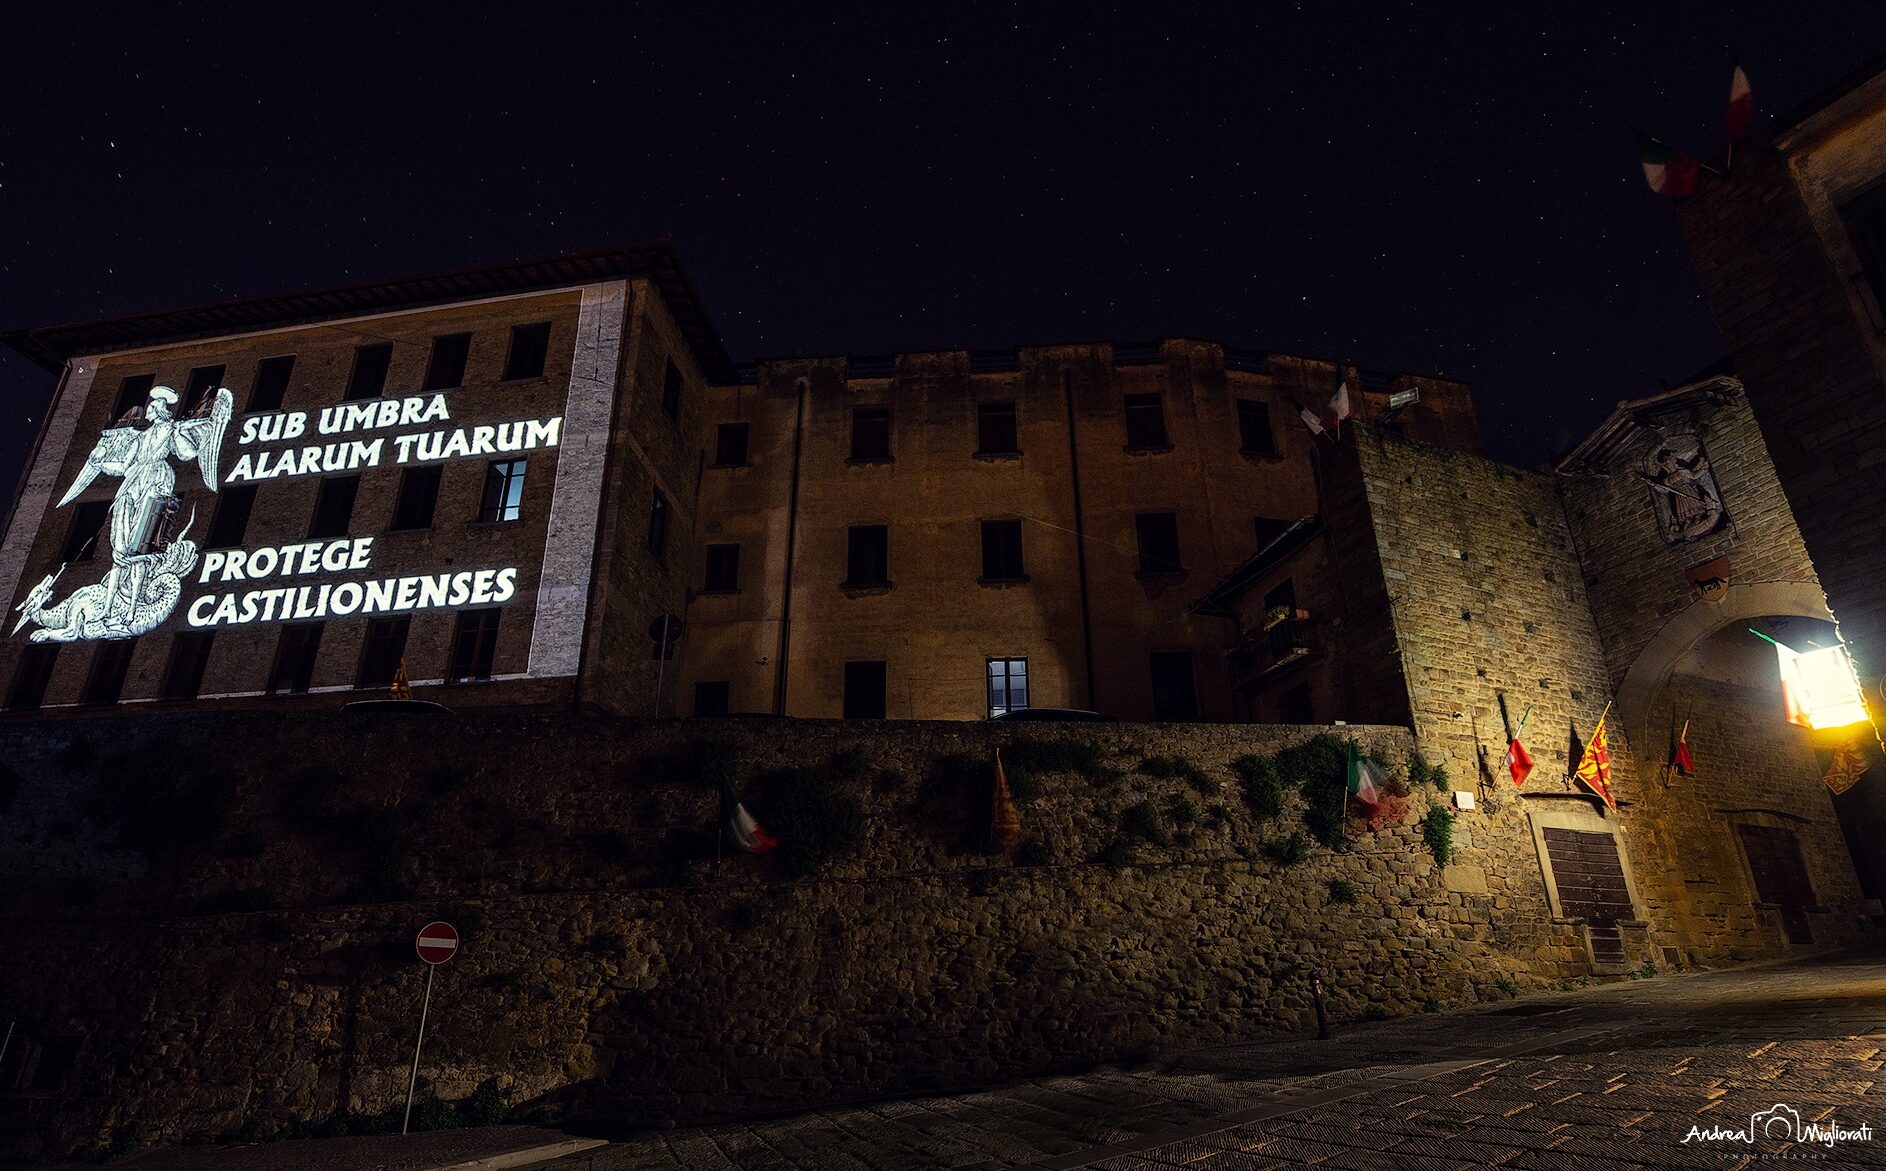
[(1055, 715)]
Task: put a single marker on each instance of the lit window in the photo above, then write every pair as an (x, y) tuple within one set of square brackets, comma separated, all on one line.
[(1008, 685), (504, 491)]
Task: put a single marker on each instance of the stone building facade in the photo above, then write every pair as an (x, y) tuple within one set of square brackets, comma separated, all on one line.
[(1790, 246), (458, 472), (926, 536)]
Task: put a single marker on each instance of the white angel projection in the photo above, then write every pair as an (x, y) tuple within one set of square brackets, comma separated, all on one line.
[(146, 576)]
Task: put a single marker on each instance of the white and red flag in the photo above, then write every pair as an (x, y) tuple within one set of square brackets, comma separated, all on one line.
[(747, 833), (1741, 111)]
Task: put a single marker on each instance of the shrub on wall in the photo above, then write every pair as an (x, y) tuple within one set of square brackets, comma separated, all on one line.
[(161, 800), (815, 819), (1261, 783), (1437, 829)]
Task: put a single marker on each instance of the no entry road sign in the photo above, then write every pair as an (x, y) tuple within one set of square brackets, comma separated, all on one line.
[(437, 942)]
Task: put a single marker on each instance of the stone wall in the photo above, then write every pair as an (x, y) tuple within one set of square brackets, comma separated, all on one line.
[(612, 964), (1489, 597)]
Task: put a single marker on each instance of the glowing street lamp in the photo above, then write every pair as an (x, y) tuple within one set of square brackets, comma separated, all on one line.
[(1818, 687)]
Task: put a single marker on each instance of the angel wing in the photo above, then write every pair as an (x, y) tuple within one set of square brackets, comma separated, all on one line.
[(201, 438), (108, 454)]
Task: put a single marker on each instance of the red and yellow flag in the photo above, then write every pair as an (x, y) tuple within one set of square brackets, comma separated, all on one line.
[(1594, 768), (1848, 763)]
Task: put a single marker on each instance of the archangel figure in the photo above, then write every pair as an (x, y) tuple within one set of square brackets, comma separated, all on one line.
[(146, 575), (1688, 504)]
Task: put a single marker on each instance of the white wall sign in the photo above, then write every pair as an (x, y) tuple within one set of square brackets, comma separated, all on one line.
[(145, 582)]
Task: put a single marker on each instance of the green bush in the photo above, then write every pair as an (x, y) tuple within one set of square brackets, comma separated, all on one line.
[(1287, 851), (607, 945), (1261, 783), (1437, 829), (1140, 822), (813, 816), (1342, 892), (1080, 757), (242, 899), (1117, 854), (1174, 767), (1034, 852), (1319, 769), (1507, 985), (1182, 811), (1420, 772)]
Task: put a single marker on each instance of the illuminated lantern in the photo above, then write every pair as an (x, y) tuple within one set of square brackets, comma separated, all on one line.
[(1818, 688)]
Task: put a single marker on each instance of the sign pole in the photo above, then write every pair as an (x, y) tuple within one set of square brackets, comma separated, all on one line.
[(413, 1081)]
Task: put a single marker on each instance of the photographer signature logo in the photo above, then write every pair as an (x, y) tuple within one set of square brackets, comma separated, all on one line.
[(1782, 1124)]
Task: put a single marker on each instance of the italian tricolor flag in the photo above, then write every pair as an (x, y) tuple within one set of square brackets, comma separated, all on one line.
[(1667, 170), (747, 833), (1365, 779), (1741, 109)]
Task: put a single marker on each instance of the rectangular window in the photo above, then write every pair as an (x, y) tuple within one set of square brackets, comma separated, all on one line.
[(231, 522), (1002, 550), (295, 653), (334, 507), (418, 497), (658, 525), (271, 383), (189, 655), (368, 379), (203, 382), (1294, 707), (995, 430), (871, 434), (723, 569), (671, 390), (530, 344), (867, 556), (1158, 542), (710, 699), (133, 393), (81, 538), (1174, 694), (1866, 223), (1008, 685), (864, 691), (385, 647), (474, 646), (730, 445), (1269, 528), (32, 676), (111, 662), (504, 491), (1254, 437), (445, 369), (1145, 422)]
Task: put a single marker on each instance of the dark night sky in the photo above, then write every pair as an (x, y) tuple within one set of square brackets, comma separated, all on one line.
[(1429, 187)]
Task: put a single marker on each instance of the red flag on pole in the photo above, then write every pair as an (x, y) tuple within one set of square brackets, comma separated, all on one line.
[(1680, 759), (1741, 111)]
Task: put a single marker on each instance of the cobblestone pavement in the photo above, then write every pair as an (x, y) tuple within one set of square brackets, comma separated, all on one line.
[(1603, 1079)]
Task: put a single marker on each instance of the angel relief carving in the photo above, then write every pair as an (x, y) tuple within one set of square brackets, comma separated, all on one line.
[(1683, 489), (148, 565)]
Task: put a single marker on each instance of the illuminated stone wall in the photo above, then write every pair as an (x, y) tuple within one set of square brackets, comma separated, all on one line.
[(612, 964)]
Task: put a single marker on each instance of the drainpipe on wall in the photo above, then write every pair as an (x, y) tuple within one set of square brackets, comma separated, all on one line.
[(1080, 536), (801, 385)]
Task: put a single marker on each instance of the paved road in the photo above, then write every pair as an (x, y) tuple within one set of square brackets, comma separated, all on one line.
[(1602, 1079)]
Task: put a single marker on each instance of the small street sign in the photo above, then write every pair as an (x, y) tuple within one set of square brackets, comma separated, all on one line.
[(437, 942)]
